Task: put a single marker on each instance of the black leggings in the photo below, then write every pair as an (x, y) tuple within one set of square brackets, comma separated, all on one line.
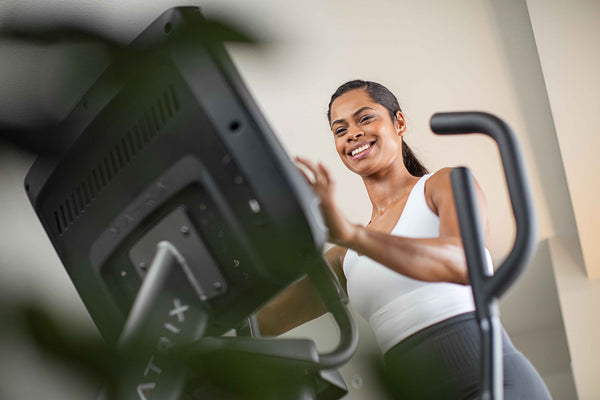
[(443, 362)]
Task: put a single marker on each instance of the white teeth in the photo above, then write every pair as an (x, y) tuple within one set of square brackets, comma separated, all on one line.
[(360, 149)]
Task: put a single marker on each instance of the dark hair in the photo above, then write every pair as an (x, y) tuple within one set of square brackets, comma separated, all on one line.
[(381, 95)]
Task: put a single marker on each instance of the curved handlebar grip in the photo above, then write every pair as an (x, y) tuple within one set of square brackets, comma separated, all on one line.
[(521, 200), (335, 300)]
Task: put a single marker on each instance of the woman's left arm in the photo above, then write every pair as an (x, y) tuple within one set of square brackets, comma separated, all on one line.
[(440, 259)]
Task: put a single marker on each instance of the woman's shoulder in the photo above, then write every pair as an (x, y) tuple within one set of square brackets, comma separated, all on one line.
[(438, 189), (440, 174), (438, 185), (440, 179)]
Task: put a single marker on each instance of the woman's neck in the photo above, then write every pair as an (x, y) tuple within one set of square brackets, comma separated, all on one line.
[(386, 190)]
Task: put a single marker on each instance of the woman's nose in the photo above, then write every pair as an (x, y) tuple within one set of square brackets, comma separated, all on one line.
[(355, 134)]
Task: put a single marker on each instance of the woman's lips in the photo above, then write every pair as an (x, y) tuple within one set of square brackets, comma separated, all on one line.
[(364, 153)]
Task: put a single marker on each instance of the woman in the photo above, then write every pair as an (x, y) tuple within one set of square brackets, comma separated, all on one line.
[(405, 271)]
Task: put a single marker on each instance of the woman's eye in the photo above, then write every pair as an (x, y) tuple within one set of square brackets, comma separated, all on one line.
[(365, 118), (339, 131)]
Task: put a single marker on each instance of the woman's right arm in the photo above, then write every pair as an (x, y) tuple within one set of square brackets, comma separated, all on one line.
[(300, 302)]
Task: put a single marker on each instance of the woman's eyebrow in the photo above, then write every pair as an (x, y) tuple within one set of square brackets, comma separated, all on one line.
[(354, 114)]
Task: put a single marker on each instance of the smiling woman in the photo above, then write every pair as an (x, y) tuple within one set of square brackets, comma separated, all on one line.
[(405, 272), (382, 98)]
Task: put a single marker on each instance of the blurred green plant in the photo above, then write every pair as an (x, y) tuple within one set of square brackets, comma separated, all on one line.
[(209, 372), (47, 139), (84, 353)]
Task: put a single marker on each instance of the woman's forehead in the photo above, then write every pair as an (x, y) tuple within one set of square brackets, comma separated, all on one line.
[(347, 104)]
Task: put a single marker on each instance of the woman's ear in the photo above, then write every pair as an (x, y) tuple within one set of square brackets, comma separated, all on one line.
[(400, 123)]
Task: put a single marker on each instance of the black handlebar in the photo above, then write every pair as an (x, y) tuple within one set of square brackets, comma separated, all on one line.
[(487, 288), (518, 187), (335, 300)]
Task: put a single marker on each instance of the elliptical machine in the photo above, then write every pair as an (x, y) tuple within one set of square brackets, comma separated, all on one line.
[(177, 215)]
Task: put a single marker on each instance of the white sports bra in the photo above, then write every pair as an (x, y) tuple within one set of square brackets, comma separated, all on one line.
[(397, 306)]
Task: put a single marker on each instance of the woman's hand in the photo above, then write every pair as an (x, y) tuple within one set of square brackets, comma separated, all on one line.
[(341, 231)]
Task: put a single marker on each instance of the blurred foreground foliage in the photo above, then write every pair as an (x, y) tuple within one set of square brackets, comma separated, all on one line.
[(85, 353), (47, 139)]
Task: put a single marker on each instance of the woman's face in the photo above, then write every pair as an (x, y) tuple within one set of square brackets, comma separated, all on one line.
[(366, 138)]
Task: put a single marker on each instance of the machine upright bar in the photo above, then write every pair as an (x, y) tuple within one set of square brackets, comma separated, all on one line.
[(488, 288)]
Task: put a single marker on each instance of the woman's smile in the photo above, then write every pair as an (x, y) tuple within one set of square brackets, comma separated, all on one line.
[(361, 150)]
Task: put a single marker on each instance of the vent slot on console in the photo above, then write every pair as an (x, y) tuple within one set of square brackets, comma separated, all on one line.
[(129, 144)]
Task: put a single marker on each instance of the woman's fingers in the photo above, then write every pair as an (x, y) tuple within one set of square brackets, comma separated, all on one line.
[(322, 184), (320, 178), (325, 173), (308, 164), (310, 182)]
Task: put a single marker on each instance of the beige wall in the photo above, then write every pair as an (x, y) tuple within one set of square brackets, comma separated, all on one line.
[(578, 296), (567, 35), (436, 56)]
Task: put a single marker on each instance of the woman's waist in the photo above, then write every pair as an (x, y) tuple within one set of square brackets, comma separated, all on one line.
[(395, 297), (418, 309)]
